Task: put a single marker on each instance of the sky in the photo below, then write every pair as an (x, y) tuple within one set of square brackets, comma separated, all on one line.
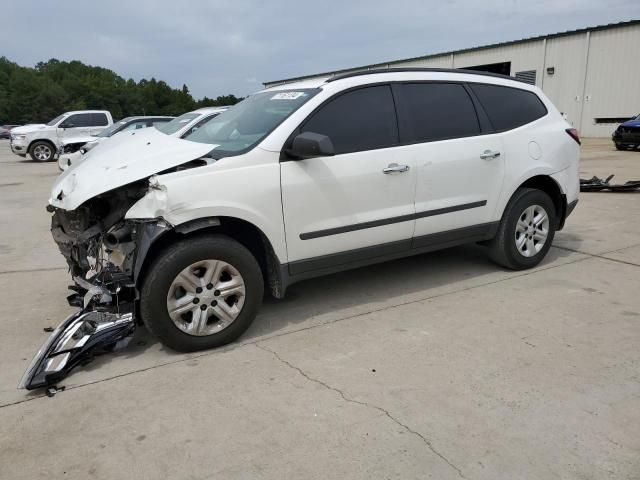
[(218, 47)]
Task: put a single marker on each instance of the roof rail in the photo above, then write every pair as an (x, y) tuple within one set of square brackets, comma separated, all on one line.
[(419, 69)]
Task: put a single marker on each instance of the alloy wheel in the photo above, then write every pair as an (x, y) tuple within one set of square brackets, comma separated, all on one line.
[(532, 230)]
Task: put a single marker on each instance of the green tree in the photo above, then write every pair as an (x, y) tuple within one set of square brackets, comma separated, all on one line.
[(35, 95)]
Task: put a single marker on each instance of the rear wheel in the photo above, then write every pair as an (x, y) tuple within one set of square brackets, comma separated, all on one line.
[(202, 292), (620, 147), (41, 151), (526, 230)]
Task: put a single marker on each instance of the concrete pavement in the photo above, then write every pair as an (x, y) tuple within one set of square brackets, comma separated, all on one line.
[(438, 366)]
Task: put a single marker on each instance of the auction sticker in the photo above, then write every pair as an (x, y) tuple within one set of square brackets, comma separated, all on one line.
[(287, 95)]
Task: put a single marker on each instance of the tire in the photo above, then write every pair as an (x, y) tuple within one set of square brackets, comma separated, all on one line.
[(504, 247), (163, 286), (620, 147), (41, 151)]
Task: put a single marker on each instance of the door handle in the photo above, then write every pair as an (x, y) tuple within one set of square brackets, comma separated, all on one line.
[(395, 168), (489, 154)]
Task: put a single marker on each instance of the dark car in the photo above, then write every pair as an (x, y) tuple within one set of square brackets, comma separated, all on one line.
[(627, 135), (5, 131)]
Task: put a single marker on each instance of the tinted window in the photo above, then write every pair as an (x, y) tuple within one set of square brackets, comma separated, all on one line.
[(80, 120), (435, 111), (362, 119), (98, 120), (508, 107)]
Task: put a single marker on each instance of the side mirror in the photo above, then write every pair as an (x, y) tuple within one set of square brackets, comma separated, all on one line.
[(66, 125), (309, 145)]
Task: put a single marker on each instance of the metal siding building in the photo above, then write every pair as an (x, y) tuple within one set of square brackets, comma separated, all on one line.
[(592, 75)]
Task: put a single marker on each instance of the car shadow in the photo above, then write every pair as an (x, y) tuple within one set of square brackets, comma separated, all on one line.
[(353, 292)]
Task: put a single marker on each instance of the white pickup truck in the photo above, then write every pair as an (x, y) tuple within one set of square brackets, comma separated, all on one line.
[(41, 141)]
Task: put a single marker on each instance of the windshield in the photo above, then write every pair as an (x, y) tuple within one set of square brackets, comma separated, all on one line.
[(247, 123), (637, 118), (55, 120), (115, 128), (177, 123)]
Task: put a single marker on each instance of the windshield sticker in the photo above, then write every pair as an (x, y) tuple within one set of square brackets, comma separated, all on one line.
[(288, 95)]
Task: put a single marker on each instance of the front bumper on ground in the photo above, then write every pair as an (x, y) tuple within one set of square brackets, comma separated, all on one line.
[(76, 340)]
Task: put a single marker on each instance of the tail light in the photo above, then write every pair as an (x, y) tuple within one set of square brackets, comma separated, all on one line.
[(573, 133)]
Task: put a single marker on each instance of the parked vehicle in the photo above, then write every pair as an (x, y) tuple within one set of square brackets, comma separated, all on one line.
[(627, 135), (5, 131), (73, 150), (297, 181), (41, 141), (187, 122)]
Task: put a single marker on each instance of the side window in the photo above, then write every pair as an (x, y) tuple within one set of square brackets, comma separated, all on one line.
[(435, 111), (363, 119), (80, 120), (98, 120), (508, 107)]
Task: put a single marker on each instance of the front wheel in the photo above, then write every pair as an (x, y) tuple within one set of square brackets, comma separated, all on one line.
[(526, 230), (202, 292), (41, 151)]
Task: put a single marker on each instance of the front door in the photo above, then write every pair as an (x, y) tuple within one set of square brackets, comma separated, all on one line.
[(359, 203)]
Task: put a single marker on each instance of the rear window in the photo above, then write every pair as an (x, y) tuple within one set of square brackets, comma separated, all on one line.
[(508, 107), (435, 111)]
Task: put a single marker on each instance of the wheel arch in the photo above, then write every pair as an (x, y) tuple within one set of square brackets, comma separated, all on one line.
[(244, 232), (551, 187), (46, 140)]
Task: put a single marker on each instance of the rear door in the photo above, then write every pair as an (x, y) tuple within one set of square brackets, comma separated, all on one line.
[(460, 165), (97, 122), (345, 208), (76, 125)]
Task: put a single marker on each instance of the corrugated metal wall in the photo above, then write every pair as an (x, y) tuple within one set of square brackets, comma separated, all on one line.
[(613, 78), (596, 75)]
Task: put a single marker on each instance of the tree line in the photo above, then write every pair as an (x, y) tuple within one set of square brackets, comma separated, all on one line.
[(36, 95)]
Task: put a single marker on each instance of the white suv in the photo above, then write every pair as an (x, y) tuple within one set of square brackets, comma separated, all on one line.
[(307, 179)]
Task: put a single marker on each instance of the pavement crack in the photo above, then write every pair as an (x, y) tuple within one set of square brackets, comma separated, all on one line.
[(241, 344), (602, 255), (346, 398), (33, 270)]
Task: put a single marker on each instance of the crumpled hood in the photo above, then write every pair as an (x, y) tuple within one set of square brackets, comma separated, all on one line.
[(124, 159), (631, 123), (28, 128)]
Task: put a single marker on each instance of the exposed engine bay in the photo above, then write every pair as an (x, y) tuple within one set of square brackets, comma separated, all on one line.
[(94, 239)]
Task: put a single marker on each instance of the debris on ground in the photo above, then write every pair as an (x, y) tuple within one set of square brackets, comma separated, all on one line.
[(48, 329), (51, 391), (596, 184)]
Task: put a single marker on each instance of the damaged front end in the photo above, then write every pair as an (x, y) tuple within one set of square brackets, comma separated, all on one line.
[(104, 250), (104, 254)]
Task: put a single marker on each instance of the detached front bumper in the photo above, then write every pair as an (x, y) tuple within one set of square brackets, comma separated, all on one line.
[(76, 340)]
